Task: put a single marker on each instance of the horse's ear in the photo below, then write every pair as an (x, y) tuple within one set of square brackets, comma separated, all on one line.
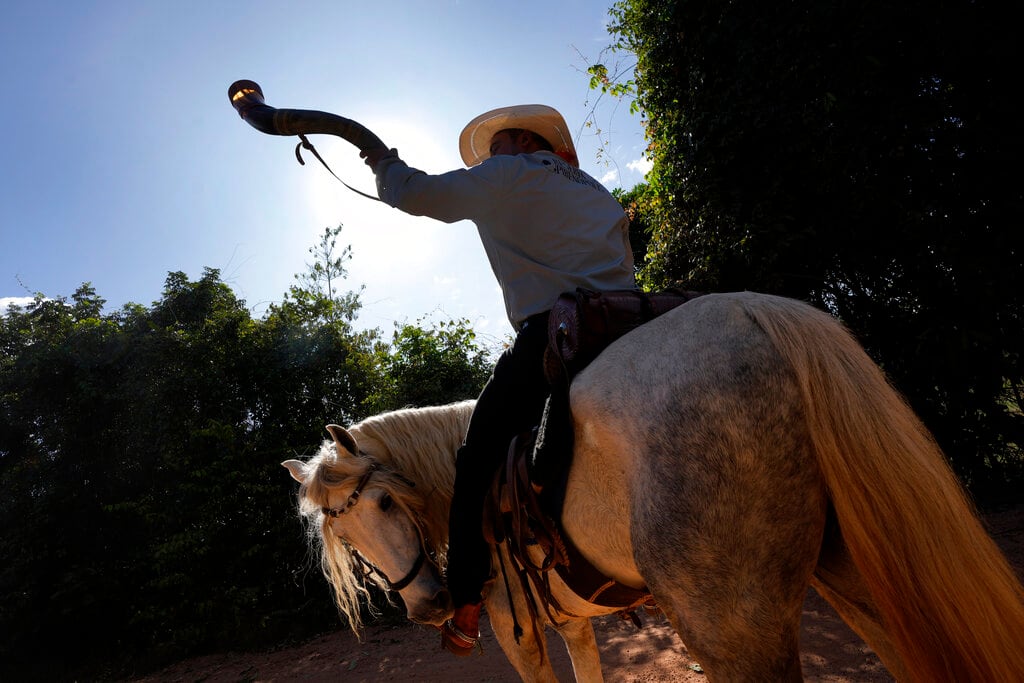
[(297, 469), (342, 439)]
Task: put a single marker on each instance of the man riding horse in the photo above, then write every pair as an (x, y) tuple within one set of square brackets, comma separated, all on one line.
[(547, 228)]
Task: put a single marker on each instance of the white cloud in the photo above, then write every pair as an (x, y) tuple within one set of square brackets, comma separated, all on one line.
[(610, 177), (640, 166), (6, 301)]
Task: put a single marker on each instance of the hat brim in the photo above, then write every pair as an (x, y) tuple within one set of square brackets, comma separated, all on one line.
[(475, 139)]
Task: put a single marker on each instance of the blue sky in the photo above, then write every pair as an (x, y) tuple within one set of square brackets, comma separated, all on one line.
[(124, 159)]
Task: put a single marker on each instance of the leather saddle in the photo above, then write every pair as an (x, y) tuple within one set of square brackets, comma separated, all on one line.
[(580, 326)]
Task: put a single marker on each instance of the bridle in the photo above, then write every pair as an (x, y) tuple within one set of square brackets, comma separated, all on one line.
[(353, 497), (370, 569)]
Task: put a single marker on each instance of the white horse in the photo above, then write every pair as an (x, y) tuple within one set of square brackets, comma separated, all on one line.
[(728, 455)]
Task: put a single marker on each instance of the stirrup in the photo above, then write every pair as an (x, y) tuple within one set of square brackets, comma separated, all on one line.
[(457, 642)]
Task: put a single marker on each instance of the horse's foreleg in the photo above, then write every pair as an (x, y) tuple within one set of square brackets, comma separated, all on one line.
[(581, 643), (528, 656)]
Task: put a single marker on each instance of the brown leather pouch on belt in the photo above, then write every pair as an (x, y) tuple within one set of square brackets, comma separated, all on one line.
[(584, 322)]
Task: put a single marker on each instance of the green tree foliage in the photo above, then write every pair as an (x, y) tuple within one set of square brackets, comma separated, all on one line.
[(144, 509), (860, 156), (424, 367), (639, 204), (317, 299)]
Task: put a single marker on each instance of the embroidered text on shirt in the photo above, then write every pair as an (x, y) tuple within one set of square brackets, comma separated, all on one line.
[(572, 173)]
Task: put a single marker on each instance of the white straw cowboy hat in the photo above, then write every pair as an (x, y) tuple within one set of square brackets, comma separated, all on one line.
[(475, 139)]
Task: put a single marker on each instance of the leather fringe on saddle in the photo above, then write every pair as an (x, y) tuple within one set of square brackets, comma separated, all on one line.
[(581, 325)]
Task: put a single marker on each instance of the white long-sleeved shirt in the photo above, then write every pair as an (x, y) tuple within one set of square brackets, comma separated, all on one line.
[(546, 226)]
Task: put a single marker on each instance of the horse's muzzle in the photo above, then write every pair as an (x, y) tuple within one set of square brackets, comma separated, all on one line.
[(432, 612)]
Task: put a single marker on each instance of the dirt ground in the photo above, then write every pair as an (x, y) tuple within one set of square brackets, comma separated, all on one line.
[(830, 651)]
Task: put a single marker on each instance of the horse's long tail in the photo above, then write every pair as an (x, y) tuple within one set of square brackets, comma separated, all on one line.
[(946, 595)]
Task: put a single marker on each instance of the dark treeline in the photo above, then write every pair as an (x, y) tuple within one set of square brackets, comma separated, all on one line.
[(144, 513), (863, 156)]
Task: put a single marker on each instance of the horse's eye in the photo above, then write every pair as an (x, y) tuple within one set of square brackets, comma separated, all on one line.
[(385, 502)]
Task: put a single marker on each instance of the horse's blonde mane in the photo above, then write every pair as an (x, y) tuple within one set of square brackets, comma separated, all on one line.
[(421, 443), (416, 445)]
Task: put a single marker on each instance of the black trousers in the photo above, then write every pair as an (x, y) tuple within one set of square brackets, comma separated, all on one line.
[(512, 402)]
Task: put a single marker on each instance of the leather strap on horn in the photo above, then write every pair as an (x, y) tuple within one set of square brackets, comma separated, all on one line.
[(306, 144)]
